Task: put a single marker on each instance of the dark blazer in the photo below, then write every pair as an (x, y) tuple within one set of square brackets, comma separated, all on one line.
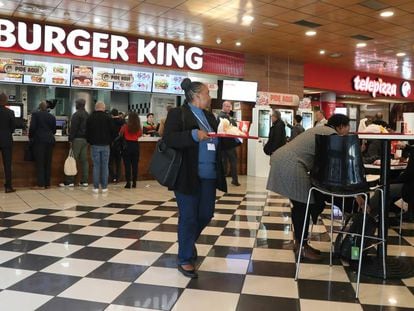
[(100, 129), (277, 137), (7, 126), (178, 136), (42, 127), (407, 178)]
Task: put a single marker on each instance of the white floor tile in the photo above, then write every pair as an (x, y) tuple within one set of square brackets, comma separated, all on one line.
[(56, 249), (136, 257), (160, 236), (224, 265), (10, 276), (136, 225), (312, 305), (110, 242), (235, 241), (206, 301), (163, 276), (270, 286), (34, 225), (275, 255), (21, 301), (43, 236), (73, 266), (94, 230)]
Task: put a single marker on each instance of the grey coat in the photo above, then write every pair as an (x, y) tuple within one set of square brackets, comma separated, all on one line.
[(290, 165)]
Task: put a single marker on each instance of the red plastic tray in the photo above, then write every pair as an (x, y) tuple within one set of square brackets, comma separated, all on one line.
[(231, 136)]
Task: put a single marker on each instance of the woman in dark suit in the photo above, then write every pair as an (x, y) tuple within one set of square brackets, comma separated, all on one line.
[(42, 132), (201, 173)]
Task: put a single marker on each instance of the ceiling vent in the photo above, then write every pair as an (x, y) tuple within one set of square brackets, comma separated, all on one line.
[(361, 37), (374, 4), (307, 24)]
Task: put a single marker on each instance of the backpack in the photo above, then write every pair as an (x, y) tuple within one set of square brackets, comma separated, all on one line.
[(344, 242)]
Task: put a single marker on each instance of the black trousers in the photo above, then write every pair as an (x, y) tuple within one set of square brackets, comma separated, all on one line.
[(6, 153), (43, 158), (230, 155), (114, 164), (131, 158)]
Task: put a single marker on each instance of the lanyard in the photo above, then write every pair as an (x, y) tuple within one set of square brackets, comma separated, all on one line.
[(208, 127)]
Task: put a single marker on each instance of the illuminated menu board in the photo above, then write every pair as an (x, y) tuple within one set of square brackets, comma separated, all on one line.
[(10, 77), (142, 81), (167, 83), (53, 74), (82, 76), (98, 82)]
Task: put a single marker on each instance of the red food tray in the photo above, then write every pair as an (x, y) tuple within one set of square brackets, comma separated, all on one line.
[(212, 134)]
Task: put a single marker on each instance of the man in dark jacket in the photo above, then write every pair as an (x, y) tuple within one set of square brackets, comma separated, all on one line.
[(115, 156), (229, 155), (79, 145), (7, 126), (100, 133), (277, 134), (296, 128)]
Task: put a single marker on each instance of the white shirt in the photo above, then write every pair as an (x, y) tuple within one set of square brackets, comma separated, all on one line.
[(321, 122)]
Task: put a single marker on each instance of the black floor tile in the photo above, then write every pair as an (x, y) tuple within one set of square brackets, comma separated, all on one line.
[(7, 214), (166, 261), (220, 282), (233, 195), (147, 202), (150, 246), (30, 262), (166, 208), (10, 222), (43, 211), (45, 283), (78, 239), (22, 246), (127, 233), (268, 268), (276, 214), (14, 233), (250, 208), (95, 253), (132, 211), (245, 218), (239, 232), (118, 205), (231, 252), (407, 232), (396, 240), (118, 272), (279, 227), (153, 219), (266, 303), (66, 304), (54, 219), (263, 200), (94, 215), (278, 204), (167, 228), (274, 244), (82, 208), (326, 290), (207, 239), (218, 223), (110, 223), (149, 296), (64, 228), (224, 211), (352, 275), (229, 202)]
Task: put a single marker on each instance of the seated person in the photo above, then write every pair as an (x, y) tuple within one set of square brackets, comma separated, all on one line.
[(149, 127)]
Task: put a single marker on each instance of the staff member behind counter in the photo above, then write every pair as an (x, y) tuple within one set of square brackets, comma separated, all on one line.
[(149, 127)]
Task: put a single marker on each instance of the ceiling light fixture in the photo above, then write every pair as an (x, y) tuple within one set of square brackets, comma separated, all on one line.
[(271, 24), (197, 37), (362, 60), (387, 14), (151, 29), (401, 54), (247, 19), (1, 4), (310, 33), (322, 52), (238, 43), (218, 40), (97, 20), (361, 45)]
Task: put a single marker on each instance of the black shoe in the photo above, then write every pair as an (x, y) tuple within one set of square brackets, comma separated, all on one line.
[(9, 190), (188, 273), (128, 185), (134, 184), (235, 183)]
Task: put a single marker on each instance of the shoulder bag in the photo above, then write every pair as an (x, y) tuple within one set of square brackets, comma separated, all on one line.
[(70, 165)]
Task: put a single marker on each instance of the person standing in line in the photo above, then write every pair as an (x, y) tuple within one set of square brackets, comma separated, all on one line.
[(277, 134), (115, 155), (7, 127), (201, 172), (100, 133), (42, 131), (131, 132), (296, 128), (320, 118), (78, 143), (229, 155)]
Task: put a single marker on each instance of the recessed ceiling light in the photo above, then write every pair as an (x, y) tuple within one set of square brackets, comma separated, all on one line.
[(271, 24), (362, 60), (1, 4), (322, 52), (361, 45), (218, 40), (387, 14), (310, 33), (247, 18), (151, 29), (401, 54), (238, 43), (197, 37), (97, 20)]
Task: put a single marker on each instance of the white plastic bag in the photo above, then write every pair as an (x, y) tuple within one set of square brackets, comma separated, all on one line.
[(70, 165)]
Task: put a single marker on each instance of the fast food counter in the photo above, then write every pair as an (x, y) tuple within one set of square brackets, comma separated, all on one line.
[(24, 172)]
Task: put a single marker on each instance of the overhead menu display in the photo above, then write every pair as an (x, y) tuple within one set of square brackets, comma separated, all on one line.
[(142, 81), (53, 74), (10, 77), (166, 83), (98, 81), (82, 76)]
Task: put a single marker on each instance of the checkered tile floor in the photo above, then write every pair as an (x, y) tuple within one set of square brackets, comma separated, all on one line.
[(69, 249)]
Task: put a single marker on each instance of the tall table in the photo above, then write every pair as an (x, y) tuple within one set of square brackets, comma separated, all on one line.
[(396, 267)]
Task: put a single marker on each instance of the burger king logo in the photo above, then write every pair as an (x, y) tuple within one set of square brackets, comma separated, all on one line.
[(406, 89)]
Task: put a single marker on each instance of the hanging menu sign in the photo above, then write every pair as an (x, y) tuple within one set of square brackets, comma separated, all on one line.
[(10, 77), (82, 76), (142, 81), (26, 70), (166, 83), (98, 81), (53, 74)]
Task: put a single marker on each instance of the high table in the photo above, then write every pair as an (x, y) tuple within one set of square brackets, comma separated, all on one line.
[(396, 267)]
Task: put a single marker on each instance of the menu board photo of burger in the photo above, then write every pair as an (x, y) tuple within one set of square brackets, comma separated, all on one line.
[(165, 83), (82, 76), (142, 81), (98, 82), (53, 74), (10, 77)]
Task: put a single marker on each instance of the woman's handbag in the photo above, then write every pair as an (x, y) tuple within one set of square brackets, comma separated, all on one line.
[(165, 164), (119, 144), (70, 165)]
